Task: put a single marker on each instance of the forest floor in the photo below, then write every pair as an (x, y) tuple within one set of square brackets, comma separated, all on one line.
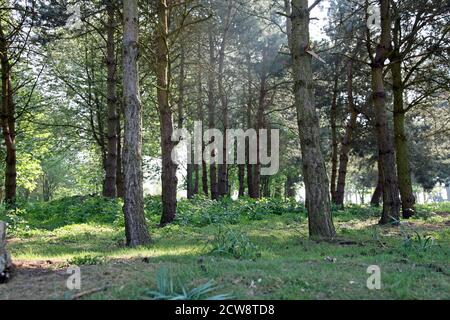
[(252, 256)]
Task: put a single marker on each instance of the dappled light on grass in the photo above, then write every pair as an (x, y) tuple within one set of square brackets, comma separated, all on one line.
[(266, 258)]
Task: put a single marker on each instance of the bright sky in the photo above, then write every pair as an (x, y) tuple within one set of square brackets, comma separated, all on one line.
[(320, 13)]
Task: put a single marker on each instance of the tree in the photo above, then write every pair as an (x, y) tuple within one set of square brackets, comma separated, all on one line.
[(135, 224), (111, 164), (391, 200), (314, 171)]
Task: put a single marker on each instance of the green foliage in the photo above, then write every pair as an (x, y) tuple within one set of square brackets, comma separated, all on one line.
[(166, 290), (414, 241), (202, 211), (86, 260), (58, 213), (234, 243)]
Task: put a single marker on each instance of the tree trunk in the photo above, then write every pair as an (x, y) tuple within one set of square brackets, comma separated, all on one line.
[(334, 136), (222, 187), (401, 141), (5, 258), (314, 170), (119, 174), (250, 183), (135, 225), (169, 168), (347, 139), (201, 118), (289, 189), (110, 190), (260, 121), (378, 193), (391, 201), (211, 112), (8, 122)]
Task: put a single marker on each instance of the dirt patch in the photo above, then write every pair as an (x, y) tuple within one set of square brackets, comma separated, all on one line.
[(46, 280)]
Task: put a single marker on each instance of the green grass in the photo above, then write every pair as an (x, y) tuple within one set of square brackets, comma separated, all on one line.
[(248, 251)]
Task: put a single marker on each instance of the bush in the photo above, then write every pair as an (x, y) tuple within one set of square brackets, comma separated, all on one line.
[(66, 211), (235, 244), (89, 260)]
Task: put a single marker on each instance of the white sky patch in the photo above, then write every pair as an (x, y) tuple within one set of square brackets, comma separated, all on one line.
[(319, 20)]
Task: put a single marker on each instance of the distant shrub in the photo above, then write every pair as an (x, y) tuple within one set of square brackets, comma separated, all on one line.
[(235, 244), (89, 260), (66, 211)]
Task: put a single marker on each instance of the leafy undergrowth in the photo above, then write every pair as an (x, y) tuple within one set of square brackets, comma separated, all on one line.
[(244, 249)]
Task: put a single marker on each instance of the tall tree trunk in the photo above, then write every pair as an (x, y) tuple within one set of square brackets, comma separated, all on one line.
[(250, 183), (8, 122), (400, 139), (201, 116), (391, 201), (211, 112), (260, 121), (135, 225), (334, 136), (314, 170), (169, 168), (347, 139), (222, 187), (110, 190), (181, 115)]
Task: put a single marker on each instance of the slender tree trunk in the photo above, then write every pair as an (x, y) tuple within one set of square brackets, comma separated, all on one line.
[(347, 139), (314, 170), (334, 136), (135, 225), (401, 141), (211, 112), (110, 190), (391, 201), (119, 174), (169, 168), (201, 117), (250, 183), (8, 122), (260, 121), (222, 187)]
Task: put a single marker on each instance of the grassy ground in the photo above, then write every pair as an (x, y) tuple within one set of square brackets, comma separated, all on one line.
[(251, 250)]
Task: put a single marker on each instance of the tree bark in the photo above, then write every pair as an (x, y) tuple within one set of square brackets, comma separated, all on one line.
[(8, 122), (169, 168), (260, 121), (222, 187), (250, 183), (347, 139), (334, 136), (378, 192), (135, 224), (400, 139), (119, 172), (391, 201), (314, 170), (5, 258), (110, 188), (289, 189), (211, 113)]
